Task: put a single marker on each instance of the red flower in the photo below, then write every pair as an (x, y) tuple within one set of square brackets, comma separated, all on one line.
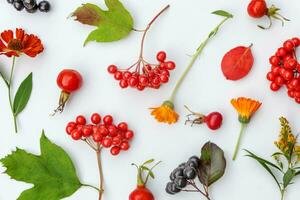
[(31, 45)]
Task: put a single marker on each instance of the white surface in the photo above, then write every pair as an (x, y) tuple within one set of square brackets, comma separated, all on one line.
[(179, 32)]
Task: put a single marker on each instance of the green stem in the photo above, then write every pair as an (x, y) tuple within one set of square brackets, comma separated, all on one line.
[(90, 186), (9, 85), (237, 147), (282, 194), (194, 57)]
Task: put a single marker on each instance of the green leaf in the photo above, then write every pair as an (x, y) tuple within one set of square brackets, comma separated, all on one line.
[(148, 162), (149, 171), (212, 164), (112, 24), (252, 155), (23, 94), (52, 173), (297, 173), (288, 177), (265, 166), (222, 13)]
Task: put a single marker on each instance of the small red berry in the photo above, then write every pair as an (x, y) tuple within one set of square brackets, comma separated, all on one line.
[(115, 150), (274, 61), (124, 146), (97, 137), (127, 75), (279, 80), (291, 93), (143, 80), (276, 70), (118, 75), (76, 134), (123, 83), (274, 87), (116, 141), (123, 126), (288, 75), (80, 120), (281, 52), (69, 129), (96, 118), (170, 65), (161, 56), (289, 45), (140, 87), (132, 81), (271, 76), (108, 120), (113, 131), (297, 100), (296, 41), (87, 131), (129, 135), (107, 142), (112, 69), (164, 78), (297, 94)]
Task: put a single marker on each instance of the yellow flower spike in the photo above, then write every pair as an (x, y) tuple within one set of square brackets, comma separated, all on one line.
[(165, 113), (246, 108)]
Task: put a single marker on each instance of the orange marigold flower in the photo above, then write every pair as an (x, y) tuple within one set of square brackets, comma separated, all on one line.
[(31, 45), (246, 107), (165, 113)]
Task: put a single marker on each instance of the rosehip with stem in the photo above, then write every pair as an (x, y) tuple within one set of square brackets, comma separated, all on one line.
[(258, 9), (213, 120), (69, 81), (142, 192)]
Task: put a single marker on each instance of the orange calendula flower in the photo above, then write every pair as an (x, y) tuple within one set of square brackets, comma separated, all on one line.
[(245, 107), (165, 113), (11, 45)]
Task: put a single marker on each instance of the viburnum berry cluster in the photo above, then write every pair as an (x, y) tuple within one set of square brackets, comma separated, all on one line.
[(285, 70), (143, 74), (101, 133)]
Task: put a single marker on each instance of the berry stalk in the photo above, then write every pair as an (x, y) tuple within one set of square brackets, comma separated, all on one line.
[(147, 29), (194, 57), (101, 179)]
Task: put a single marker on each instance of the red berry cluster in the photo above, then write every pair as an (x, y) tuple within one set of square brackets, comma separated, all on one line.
[(285, 69), (103, 133), (143, 74)]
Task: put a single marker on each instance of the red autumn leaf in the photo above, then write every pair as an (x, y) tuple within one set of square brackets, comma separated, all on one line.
[(237, 63)]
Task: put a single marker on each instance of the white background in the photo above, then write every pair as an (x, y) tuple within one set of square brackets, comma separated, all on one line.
[(179, 32)]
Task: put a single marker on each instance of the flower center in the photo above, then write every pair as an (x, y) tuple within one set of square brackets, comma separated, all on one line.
[(15, 44)]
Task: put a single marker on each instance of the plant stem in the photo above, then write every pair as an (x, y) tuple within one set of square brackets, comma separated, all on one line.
[(194, 57), (9, 86), (98, 152), (243, 125), (146, 30), (282, 194), (91, 186)]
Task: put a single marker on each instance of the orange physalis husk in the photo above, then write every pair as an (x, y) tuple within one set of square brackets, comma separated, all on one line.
[(165, 113)]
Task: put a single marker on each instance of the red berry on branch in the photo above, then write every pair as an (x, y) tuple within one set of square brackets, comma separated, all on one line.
[(76, 134), (108, 120), (274, 87), (289, 45), (112, 69), (115, 150), (161, 56), (80, 120), (96, 118)]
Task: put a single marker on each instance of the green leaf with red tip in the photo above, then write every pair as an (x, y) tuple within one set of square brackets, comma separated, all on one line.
[(112, 24), (52, 173)]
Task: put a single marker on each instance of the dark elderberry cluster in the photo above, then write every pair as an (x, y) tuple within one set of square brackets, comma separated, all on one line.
[(183, 175), (31, 6)]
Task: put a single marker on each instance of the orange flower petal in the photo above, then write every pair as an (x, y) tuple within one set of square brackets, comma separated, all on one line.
[(19, 34), (165, 114), (245, 107), (7, 35)]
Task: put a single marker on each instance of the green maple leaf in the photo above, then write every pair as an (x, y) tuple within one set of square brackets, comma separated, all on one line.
[(112, 24), (52, 173)]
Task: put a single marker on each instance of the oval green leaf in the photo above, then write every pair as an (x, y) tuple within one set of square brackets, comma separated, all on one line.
[(23, 94), (222, 13)]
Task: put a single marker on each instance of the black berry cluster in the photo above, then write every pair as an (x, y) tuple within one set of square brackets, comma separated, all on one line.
[(31, 6), (183, 175)]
